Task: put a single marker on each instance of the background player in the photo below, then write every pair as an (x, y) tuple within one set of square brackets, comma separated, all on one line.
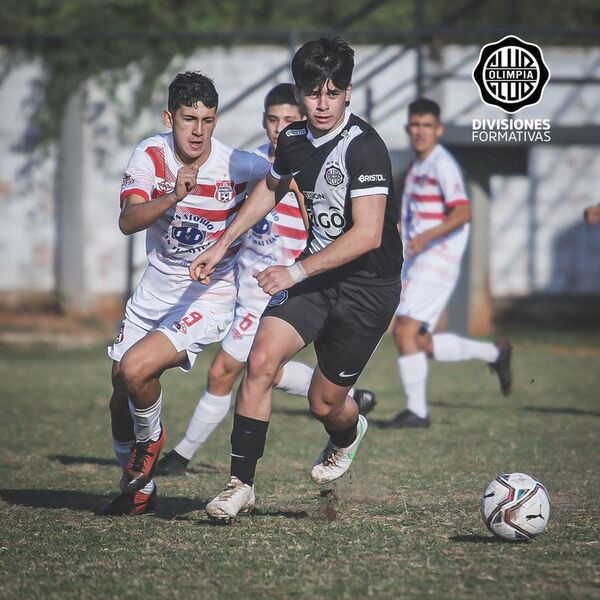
[(278, 239), (591, 215), (434, 228), (183, 187), (341, 294)]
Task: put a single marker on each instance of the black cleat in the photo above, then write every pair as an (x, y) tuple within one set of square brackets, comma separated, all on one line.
[(130, 504), (406, 418), (365, 400), (502, 366), (172, 464)]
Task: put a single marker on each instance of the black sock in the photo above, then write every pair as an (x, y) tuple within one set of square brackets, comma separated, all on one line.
[(247, 446), (344, 438)]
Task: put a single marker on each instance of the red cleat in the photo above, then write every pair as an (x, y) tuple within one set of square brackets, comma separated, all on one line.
[(142, 463)]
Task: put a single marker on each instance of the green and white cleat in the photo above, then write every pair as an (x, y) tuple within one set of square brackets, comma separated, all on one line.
[(333, 462)]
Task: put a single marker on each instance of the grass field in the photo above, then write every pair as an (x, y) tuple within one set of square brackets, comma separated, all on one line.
[(404, 523)]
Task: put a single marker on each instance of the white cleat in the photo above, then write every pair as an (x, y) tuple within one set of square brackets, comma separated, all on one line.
[(333, 462), (235, 498)]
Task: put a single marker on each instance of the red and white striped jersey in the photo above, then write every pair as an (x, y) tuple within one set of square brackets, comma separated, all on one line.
[(197, 222), (278, 239), (432, 187)]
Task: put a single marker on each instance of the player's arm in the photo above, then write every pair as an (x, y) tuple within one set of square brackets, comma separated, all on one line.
[(457, 217), (368, 213), (262, 199), (138, 214), (301, 204)]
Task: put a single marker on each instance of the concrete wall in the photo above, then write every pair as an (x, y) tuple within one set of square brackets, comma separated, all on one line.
[(58, 211)]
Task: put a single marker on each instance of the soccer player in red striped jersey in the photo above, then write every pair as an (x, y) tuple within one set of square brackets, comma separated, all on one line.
[(183, 188), (278, 239), (434, 227)]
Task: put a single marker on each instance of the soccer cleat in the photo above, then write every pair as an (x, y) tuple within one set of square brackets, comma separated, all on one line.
[(235, 498), (142, 463), (365, 400), (172, 464), (130, 504), (333, 462), (502, 366), (407, 418)]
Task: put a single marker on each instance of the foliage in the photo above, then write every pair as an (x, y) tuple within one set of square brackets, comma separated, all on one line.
[(78, 39)]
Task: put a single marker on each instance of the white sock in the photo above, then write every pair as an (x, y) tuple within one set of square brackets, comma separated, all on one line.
[(295, 378), (209, 412), (123, 450), (146, 421), (413, 374), (449, 347)]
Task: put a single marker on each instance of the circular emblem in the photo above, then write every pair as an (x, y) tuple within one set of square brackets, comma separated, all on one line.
[(333, 176), (511, 74), (263, 227), (279, 298), (187, 234)]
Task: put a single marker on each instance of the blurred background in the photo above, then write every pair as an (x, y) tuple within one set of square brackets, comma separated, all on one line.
[(82, 82)]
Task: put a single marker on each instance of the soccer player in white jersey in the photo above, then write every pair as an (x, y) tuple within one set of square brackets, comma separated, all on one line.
[(276, 240), (434, 229), (183, 187)]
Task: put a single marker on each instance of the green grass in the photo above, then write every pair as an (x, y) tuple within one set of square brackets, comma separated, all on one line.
[(404, 523)]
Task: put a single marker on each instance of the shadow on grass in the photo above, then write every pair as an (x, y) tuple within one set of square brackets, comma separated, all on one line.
[(63, 459), (169, 507), (560, 410), (477, 539), (286, 514)]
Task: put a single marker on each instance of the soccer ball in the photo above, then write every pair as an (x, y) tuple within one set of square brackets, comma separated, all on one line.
[(515, 507)]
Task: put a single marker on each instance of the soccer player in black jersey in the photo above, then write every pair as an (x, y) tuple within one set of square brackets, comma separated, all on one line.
[(342, 292)]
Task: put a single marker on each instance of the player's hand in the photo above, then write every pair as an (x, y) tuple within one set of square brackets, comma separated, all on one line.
[(204, 264), (591, 215), (274, 279), (186, 181), (418, 244)]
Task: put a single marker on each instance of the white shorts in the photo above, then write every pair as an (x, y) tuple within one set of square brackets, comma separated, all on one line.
[(201, 317), (423, 301)]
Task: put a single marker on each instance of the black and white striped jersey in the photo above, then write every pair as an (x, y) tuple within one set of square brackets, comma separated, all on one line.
[(348, 162)]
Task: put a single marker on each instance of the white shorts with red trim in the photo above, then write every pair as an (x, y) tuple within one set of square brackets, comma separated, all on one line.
[(192, 324), (423, 301)]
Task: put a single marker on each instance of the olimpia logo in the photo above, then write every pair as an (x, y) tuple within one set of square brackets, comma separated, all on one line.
[(511, 74)]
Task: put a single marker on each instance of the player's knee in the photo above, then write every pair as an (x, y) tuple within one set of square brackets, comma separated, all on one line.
[(320, 409), (261, 365), (134, 371)]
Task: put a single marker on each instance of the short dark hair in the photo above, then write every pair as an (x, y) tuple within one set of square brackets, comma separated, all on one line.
[(321, 60), (282, 93), (424, 106), (191, 87)]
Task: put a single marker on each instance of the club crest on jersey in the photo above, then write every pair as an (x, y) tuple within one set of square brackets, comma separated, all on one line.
[(187, 233), (224, 191), (166, 186), (279, 298), (333, 176), (127, 179)]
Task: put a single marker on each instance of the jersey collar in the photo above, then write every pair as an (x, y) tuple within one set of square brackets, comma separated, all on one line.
[(316, 142)]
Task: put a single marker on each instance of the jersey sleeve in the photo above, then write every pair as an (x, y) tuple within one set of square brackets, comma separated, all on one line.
[(260, 169), (451, 183), (139, 176), (369, 168), (281, 165)]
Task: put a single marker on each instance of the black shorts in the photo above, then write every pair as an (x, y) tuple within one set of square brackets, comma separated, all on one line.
[(346, 320)]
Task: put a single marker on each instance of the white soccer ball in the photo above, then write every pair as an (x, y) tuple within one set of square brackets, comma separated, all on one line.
[(515, 506)]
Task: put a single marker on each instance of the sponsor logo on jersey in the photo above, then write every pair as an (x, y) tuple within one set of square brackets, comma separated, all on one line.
[(263, 227), (224, 191), (295, 132), (279, 298), (187, 233), (333, 176), (312, 196), (370, 178), (127, 179), (332, 222), (166, 186), (511, 74)]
